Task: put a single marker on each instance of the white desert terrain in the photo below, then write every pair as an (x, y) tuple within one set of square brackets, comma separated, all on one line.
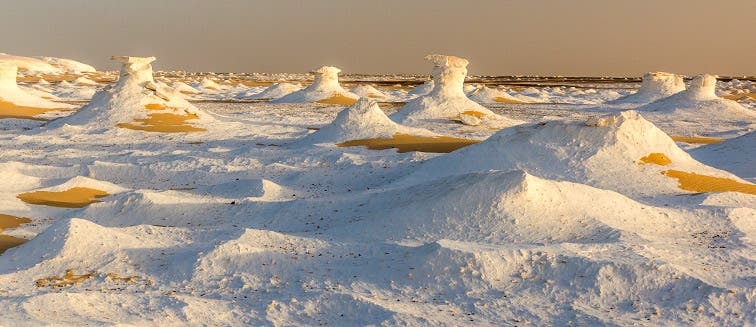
[(142, 197)]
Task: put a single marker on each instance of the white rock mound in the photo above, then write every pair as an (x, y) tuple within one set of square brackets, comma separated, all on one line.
[(10, 92), (512, 207), (699, 103), (654, 86), (605, 152), (368, 91), (422, 89), (29, 64), (325, 86), (277, 90), (135, 95), (486, 94), (447, 100), (78, 243), (363, 120), (184, 88), (736, 155), (68, 65), (701, 95)]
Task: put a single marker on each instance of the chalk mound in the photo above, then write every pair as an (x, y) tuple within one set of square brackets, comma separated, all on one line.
[(209, 85), (257, 188), (368, 91), (700, 100), (505, 207), (486, 94), (422, 89), (29, 64), (654, 86), (447, 99), (277, 90), (362, 120), (81, 181), (184, 88), (736, 155), (14, 99), (76, 241), (68, 65), (621, 152), (325, 89), (137, 102)]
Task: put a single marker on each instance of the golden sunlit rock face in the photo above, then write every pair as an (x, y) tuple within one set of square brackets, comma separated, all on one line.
[(76, 197), (406, 143), (8, 221), (10, 110), (164, 122), (338, 99), (693, 182), (697, 140)]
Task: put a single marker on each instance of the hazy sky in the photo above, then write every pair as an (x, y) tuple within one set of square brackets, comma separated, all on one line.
[(555, 37)]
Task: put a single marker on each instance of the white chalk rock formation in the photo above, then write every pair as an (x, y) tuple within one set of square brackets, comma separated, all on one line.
[(486, 94), (184, 88), (368, 91), (29, 64), (325, 86), (134, 95), (447, 100), (604, 152), (276, 91), (699, 103), (68, 65), (10, 92), (655, 86), (363, 120), (422, 89)]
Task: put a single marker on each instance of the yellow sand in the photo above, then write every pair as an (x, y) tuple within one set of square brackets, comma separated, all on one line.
[(656, 158), (476, 114), (696, 139), (10, 110), (8, 221), (338, 99), (699, 183), (115, 277), (749, 96), (702, 183), (406, 143), (66, 280), (76, 197), (163, 122), (7, 242), (507, 100)]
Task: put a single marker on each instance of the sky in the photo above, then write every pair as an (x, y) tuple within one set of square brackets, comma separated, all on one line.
[(499, 37)]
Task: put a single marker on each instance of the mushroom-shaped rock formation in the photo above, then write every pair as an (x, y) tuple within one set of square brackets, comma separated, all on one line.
[(655, 86), (324, 89), (701, 105), (447, 100), (137, 102)]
